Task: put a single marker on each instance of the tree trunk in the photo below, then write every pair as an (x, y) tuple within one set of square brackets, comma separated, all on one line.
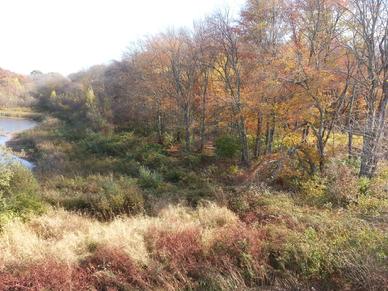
[(373, 134), (321, 152), (270, 133), (203, 115), (258, 134), (305, 133), (243, 141), (350, 126), (187, 127), (159, 122), (267, 133)]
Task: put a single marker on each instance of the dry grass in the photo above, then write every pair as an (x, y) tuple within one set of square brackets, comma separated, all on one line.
[(69, 237), (20, 112), (209, 248)]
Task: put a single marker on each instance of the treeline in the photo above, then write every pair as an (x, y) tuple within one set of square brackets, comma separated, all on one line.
[(286, 76), (14, 89)]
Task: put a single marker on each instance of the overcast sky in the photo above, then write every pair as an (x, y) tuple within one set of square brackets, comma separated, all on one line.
[(69, 35)]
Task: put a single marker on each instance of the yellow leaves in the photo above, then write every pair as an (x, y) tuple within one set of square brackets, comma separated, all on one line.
[(53, 94), (89, 96), (291, 139)]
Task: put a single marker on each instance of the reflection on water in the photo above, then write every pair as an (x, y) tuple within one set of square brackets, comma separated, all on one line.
[(8, 127)]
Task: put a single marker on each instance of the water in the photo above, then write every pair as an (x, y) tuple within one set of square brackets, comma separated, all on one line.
[(9, 127)]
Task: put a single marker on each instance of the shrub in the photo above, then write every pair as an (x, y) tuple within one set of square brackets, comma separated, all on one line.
[(192, 161), (338, 186), (342, 184), (45, 275), (101, 196), (227, 147), (180, 251), (15, 178), (114, 145), (349, 251), (363, 185), (168, 139), (19, 192), (128, 167), (379, 184), (313, 191), (174, 175), (233, 169), (148, 178), (112, 268), (154, 160), (368, 205), (239, 250), (152, 156)]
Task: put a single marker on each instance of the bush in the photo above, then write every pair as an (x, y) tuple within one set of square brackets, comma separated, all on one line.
[(129, 167), (338, 186), (45, 275), (101, 196), (113, 268), (192, 161), (238, 250), (342, 184), (363, 185), (174, 175), (179, 251), (19, 192), (313, 191), (368, 205), (114, 145), (379, 184), (152, 156), (227, 147), (148, 178)]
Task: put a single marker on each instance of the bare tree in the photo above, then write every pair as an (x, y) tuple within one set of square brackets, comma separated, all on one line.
[(369, 45), (207, 57), (316, 30), (229, 70), (183, 71)]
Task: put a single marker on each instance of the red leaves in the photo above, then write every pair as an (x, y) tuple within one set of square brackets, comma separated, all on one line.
[(109, 267), (47, 275), (179, 251)]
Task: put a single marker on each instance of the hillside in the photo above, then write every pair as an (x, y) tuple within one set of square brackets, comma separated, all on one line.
[(244, 153)]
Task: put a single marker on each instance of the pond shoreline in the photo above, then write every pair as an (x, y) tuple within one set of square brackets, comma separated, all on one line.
[(10, 128), (21, 113)]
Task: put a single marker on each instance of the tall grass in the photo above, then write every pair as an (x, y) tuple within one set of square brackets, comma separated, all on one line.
[(209, 248)]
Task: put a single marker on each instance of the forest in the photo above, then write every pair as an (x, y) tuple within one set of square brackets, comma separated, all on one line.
[(243, 153)]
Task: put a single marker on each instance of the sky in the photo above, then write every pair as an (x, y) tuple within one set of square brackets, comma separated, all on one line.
[(66, 36)]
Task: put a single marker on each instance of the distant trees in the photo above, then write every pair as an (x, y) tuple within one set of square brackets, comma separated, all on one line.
[(14, 90), (286, 76)]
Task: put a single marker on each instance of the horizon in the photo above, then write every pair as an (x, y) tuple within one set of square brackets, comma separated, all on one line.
[(78, 38)]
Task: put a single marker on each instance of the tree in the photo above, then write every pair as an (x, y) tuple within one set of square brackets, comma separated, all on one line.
[(322, 67), (229, 71), (264, 28), (183, 72), (369, 45)]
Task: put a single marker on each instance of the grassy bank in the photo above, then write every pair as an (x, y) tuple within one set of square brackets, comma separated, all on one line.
[(21, 112)]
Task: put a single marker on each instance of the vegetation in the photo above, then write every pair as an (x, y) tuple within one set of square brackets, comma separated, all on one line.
[(242, 154), (21, 112), (14, 90)]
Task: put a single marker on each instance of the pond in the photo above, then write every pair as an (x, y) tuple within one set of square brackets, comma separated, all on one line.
[(8, 128)]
